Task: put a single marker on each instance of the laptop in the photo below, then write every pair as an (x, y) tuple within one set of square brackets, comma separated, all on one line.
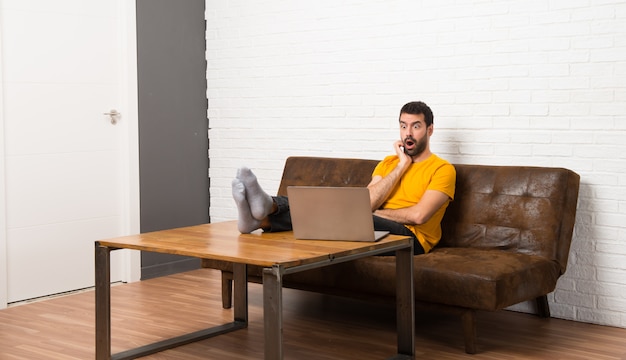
[(332, 213)]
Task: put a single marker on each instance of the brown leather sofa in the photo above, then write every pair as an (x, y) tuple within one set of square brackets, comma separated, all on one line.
[(506, 239)]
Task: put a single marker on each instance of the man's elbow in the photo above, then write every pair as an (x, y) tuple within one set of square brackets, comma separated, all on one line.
[(419, 219)]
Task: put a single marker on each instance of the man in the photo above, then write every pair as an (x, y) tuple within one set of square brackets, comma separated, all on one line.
[(409, 191)]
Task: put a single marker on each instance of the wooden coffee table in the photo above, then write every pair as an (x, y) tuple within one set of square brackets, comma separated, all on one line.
[(278, 253)]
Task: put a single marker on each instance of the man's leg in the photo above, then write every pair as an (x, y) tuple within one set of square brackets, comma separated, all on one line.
[(382, 224), (279, 220)]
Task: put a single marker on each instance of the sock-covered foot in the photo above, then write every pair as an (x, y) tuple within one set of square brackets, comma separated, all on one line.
[(246, 223), (260, 202)]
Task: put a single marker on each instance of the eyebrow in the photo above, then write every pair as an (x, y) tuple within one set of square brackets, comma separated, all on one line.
[(413, 123)]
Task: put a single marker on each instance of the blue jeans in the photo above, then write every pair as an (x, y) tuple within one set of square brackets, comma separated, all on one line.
[(281, 221)]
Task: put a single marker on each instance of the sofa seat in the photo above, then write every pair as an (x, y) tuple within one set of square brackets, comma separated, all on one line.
[(482, 279), (447, 276)]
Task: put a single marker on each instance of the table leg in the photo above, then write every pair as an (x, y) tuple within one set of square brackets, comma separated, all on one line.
[(103, 302), (103, 313), (273, 312), (405, 304), (240, 292)]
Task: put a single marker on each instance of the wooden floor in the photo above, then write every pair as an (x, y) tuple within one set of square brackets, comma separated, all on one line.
[(315, 327)]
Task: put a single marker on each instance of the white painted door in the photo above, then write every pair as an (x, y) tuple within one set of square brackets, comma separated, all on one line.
[(71, 176)]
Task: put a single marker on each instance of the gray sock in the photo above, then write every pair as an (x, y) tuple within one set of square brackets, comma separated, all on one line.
[(260, 202), (246, 223)]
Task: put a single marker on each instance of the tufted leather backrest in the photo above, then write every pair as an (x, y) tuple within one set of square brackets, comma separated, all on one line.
[(320, 171), (514, 208)]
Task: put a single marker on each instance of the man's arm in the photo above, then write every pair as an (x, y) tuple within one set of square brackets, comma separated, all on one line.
[(380, 188), (431, 201)]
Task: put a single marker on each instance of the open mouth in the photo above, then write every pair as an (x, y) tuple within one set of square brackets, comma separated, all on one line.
[(409, 143)]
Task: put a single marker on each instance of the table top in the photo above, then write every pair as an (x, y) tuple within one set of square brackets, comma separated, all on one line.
[(222, 241)]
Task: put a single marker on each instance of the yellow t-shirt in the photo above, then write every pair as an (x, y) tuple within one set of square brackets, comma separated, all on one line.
[(433, 173)]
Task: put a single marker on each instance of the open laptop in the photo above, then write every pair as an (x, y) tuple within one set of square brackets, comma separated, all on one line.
[(332, 213)]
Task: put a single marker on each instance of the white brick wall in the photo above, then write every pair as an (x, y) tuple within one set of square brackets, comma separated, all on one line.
[(510, 82)]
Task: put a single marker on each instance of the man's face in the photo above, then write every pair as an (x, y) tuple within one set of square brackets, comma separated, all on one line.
[(414, 133)]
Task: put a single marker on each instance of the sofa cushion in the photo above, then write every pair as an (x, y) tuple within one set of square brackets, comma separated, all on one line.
[(466, 277), (483, 279)]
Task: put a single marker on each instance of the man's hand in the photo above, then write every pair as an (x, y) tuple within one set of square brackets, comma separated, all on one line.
[(380, 188), (405, 160)]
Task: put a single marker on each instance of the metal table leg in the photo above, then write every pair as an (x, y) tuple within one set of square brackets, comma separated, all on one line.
[(240, 293), (273, 312), (405, 304), (103, 313), (103, 302)]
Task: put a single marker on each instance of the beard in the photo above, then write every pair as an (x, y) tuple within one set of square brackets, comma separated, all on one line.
[(420, 145)]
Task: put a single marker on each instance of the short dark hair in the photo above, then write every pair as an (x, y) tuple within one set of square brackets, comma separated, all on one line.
[(417, 108)]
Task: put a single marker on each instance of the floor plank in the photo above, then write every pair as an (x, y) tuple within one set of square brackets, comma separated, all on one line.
[(316, 327)]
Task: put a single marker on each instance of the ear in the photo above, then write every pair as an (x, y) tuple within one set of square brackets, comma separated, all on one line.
[(431, 128)]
